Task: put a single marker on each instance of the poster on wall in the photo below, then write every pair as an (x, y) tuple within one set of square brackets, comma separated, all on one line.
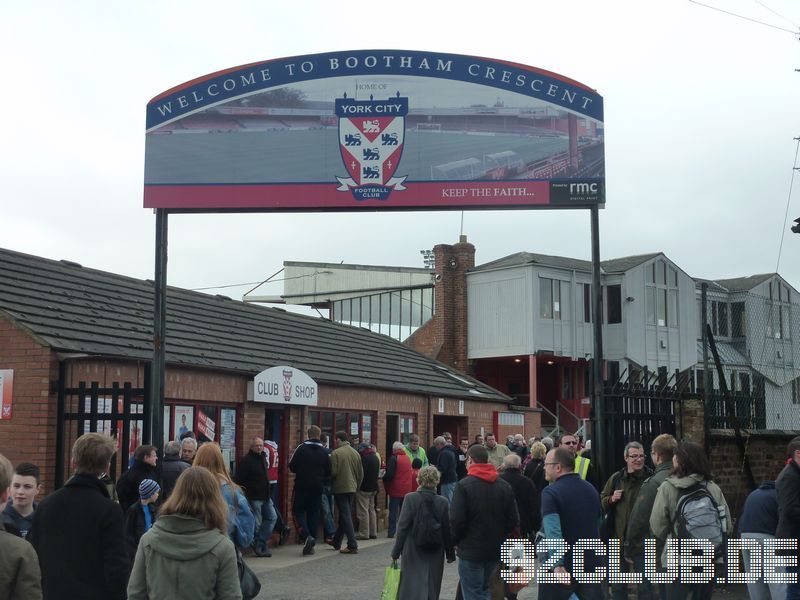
[(6, 388), (184, 420), (227, 433)]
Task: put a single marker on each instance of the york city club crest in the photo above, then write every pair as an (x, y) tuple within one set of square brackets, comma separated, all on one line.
[(371, 134)]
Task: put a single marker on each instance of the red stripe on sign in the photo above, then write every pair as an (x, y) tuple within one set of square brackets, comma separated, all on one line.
[(454, 195)]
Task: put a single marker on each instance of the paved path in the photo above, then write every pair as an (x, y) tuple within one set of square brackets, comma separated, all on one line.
[(329, 575)]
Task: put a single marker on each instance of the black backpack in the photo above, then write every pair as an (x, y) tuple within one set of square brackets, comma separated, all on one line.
[(698, 516), (427, 531)]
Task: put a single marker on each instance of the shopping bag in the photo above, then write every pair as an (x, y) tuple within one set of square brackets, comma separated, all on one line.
[(391, 582)]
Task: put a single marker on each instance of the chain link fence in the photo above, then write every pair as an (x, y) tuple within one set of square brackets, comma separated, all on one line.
[(757, 338)]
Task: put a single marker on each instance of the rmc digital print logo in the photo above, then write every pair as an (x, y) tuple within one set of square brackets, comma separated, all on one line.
[(371, 135)]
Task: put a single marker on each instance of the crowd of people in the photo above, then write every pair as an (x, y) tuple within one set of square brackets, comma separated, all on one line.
[(177, 527)]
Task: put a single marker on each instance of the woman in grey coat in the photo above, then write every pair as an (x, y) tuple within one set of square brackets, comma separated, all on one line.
[(421, 572)]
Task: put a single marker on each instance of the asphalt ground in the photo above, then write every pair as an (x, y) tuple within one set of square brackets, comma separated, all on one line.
[(328, 574)]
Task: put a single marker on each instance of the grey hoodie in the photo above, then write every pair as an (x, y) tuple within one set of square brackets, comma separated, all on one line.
[(179, 558)]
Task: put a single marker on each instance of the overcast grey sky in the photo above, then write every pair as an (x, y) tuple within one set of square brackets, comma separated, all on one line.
[(700, 112)]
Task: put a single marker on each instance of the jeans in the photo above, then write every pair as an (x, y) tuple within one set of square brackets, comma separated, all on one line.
[(367, 518), (395, 505), (760, 590), (328, 526), (475, 578), (345, 528), (264, 513), (447, 491), (792, 589), (273, 494), (306, 510)]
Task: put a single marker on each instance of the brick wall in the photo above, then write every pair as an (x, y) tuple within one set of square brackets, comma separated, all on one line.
[(31, 432), (766, 452)]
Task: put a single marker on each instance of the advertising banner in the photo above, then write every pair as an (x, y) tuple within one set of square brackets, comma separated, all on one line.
[(6, 392), (372, 130)]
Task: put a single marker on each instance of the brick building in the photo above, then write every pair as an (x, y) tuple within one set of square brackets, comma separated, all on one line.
[(73, 338)]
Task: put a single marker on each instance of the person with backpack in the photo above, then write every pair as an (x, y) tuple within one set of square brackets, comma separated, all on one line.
[(423, 539), (617, 499), (689, 505)]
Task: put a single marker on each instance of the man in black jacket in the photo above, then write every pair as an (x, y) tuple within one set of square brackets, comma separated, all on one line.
[(77, 531), (525, 493), (145, 459), (365, 496), (447, 463), (482, 515), (253, 477), (171, 468), (788, 486), (311, 465)]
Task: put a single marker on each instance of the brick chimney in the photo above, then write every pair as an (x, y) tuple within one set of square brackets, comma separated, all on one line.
[(444, 337)]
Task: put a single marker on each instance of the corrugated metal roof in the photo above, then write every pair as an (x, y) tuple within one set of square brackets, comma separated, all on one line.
[(76, 309), (727, 354)]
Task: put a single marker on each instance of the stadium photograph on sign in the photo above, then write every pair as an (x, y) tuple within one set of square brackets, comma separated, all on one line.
[(395, 130)]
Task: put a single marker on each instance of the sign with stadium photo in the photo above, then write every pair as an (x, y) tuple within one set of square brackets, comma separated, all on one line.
[(372, 130)]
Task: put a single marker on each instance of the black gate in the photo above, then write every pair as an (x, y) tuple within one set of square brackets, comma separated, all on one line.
[(639, 409), (119, 410)]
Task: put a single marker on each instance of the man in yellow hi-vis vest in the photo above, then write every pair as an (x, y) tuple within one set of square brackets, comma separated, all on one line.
[(583, 466)]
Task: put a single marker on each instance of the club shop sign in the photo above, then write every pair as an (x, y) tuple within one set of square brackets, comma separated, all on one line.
[(285, 385)]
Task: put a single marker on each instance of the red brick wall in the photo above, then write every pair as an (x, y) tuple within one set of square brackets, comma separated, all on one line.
[(29, 436)]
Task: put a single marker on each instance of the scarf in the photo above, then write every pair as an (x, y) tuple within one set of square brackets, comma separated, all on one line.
[(485, 471)]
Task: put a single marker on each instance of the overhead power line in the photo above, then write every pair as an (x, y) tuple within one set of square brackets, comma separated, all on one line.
[(788, 200), (794, 32)]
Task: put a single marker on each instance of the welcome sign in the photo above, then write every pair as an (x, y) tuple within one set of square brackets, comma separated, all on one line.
[(372, 130)]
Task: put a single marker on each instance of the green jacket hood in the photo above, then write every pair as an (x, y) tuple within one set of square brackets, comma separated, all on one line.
[(181, 537), (682, 483)]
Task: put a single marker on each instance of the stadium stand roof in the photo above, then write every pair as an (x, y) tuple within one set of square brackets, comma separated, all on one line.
[(74, 309), (616, 265)]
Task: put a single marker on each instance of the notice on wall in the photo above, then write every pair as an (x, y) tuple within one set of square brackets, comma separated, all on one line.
[(206, 425), (6, 392)]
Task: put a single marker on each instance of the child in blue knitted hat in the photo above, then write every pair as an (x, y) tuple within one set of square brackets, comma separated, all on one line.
[(141, 515)]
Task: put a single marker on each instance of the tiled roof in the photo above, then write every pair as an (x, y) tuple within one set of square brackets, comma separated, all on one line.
[(79, 310), (615, 265)]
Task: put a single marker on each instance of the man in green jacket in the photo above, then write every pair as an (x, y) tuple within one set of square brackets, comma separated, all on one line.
[(661, 451), (618, 498), (347, 472)]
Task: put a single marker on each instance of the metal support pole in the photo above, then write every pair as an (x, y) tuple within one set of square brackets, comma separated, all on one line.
[(154, 417), (599, 433), (706, 372)]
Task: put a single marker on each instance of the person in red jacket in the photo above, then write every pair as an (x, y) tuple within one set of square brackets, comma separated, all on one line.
[(397, 482)]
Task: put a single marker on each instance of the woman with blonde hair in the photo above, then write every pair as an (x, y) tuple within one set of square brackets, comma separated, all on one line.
[(241, 522), (186, 554), (422, 568), (534, 470)]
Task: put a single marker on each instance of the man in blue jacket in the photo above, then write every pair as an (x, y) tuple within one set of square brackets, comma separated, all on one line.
[(570, 512), (760, 521)]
